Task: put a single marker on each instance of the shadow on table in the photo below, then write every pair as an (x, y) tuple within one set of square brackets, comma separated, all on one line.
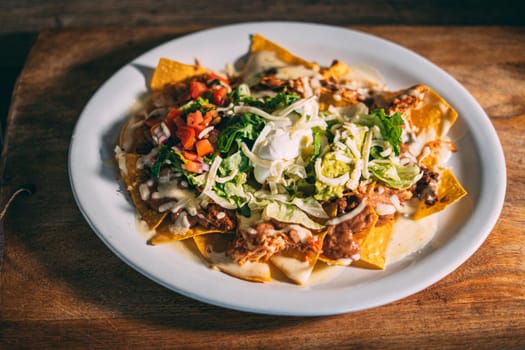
[(15, 47), (61, 241)]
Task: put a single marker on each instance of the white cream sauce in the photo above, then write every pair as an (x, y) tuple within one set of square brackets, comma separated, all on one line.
[(121, 159), (184, 198), (364, 76), (256, 270), (295, 269), (410, 236), (264, 60)]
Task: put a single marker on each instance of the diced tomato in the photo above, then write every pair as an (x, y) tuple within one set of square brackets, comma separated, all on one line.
[(174, 120), (186, 136), (212, 113), (193, 167), (197, 89), (153, 127), (173, 113), (190, 155), (203, 147), (219, 95), (213, 76), (194, 119)]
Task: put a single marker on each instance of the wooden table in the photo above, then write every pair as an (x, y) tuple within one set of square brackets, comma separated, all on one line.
[(60, 286)]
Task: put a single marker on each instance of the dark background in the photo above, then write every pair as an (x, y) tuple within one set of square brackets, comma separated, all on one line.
[(22, 20)]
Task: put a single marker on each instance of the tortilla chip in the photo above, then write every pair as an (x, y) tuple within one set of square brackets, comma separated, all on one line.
[(131, 137), (449, 191), (297, 266), (260, 43), (171, 72), (434, 114), (326, 99), (436, 150), (360, 237), (213, 249), (132, 178), (337, 262), (337, 71), (165, 234), (373, 246)]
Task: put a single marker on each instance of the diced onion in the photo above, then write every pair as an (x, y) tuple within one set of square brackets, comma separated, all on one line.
[(205, 132)]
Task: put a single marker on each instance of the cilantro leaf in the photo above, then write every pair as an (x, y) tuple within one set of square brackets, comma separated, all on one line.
[(166, 158)]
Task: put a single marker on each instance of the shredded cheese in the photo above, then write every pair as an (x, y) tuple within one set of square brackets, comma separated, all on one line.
[(255, 160), (257, 111), (225, 179), (330, 181), (348, 216)]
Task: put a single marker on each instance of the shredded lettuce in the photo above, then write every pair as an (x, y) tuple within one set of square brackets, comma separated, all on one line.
[(289, 214), (395, 176), (267, 103), (310, 206), (235, 161), (234, 190), (247, 126), (243, 128), (390, 126)]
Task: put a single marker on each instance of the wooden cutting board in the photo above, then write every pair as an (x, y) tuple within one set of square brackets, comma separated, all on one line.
[(61, 287)]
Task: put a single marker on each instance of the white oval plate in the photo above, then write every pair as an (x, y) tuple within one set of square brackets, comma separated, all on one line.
[(479, 165)]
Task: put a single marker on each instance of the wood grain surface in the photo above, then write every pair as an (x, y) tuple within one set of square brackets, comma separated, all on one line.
[(61, 287), (36, 15)]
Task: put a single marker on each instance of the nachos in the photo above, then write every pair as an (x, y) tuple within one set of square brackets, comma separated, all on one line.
[(284, 163)]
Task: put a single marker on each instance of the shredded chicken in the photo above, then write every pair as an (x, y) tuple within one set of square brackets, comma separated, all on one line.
[(270, 238)]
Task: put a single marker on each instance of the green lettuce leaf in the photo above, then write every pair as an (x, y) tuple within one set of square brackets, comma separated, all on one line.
[(390, 126), (395, 176), (267, 103), (243, 128), (289, 214)]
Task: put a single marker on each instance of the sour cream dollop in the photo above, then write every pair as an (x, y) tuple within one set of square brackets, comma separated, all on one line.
[(279, 144)]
